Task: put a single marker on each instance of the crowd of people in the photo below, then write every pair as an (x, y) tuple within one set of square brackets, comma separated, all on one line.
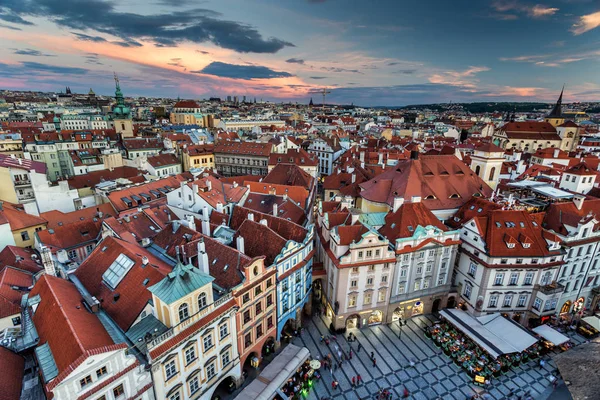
[(470, 356), (301, 382)]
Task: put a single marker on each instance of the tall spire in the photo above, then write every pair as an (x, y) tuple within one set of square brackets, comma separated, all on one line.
[(557, 110)]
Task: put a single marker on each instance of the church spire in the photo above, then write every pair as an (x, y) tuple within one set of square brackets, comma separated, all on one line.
[(557, 110)]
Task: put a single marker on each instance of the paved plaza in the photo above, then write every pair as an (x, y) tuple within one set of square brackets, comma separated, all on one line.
[(434, 375)]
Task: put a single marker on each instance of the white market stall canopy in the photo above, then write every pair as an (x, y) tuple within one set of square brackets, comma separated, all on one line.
[(594, 321), (551, 335), (494, 333), (275, 375)]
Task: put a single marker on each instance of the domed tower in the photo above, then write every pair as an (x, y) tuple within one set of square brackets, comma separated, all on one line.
[(121, 113)]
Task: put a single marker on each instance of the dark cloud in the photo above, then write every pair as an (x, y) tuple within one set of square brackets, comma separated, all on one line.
[(14, 28), (335, 69), (92, 58), (234, 71), (88, 38), (317, 77), (167, 29), (55, 69), (128, 43), (202, 52), (295, 61), (31, 52), (405, 71)]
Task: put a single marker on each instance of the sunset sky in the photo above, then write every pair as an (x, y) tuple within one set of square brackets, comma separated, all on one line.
[(377, 52)]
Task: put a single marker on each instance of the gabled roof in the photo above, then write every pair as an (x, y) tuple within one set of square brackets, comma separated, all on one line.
[(296, 193), (403, 222), (12, 367), (299, 157), (199, 149), (581, 169), (7, 161), (286, 229), (244, 148), (285, 208), (70, 236), (159, 186), (183, 280), (17, 217), (64, 323), (560, 215), (220, 192), (291, 175), (91, 179), (260, 240), (475, 207), (19, 258), (131, 295), (350, 233), (163, 160), (14, 284), (58, 218), (442, 182), (186, 104)]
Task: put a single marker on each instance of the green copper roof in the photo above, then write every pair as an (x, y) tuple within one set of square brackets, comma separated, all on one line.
[(183, 280), (373, 219), (46, 361)]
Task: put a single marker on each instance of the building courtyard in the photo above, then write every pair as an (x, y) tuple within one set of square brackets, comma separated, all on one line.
[(433, 376)]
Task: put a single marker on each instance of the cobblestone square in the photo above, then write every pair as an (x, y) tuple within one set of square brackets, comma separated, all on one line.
[(433, 376)]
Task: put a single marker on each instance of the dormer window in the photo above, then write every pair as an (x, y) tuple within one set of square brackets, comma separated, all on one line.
[(510, 245)]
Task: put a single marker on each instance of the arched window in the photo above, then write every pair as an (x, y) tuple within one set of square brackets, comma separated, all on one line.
[(492, 173), (202, 300), (183, 312), (477, 169)]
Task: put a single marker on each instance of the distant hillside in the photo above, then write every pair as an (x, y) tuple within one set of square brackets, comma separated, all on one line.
[(483, 107)]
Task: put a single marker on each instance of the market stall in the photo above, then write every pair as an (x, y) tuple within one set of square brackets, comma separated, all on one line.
[(484, 346), (552, 338)]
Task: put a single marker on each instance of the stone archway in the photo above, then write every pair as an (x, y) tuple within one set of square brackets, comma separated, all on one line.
[(398, 314), (435, 306), (353, 321), (451, 302)]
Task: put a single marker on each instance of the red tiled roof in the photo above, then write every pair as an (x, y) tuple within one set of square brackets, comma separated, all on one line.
[(116, 197), (260, 240), (186, 104), (219, 192), (142, 143), (91, 179), (6, 161), (12, 367), (568, 124), (476, 206), (199, 149), (528, 126), (581, 169), (350, 233), (163, 160), (18, 218), (64, 323), (58, 218), (20, 258), (296, 193), (488, 147), (244, 148), (74, 235), (10, 277), (442, 182), (291, 175), (133, 295), (285, 208), (299, 157), (403, 222), (558, 215), (286, 229)]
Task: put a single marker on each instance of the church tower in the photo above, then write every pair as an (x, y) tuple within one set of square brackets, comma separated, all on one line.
[(121, 113), (555, 118), (487, 161)]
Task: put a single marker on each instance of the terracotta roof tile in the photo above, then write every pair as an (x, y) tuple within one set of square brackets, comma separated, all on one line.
[(19, 258), (290, 175), (403, 222), (12, 368)]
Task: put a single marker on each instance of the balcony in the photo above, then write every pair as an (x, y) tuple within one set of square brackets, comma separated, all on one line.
[(22, 182), (553, 288)]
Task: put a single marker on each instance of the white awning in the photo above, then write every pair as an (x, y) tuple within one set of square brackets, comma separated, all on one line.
[(551, 335), (494, 333), (594, 322), (276, 374)]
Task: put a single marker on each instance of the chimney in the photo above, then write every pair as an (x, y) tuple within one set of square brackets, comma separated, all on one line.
[(362, 156), (20, 161), (578, 201), (206, 228), (362, 165), (235, 184), (195, 188), (398, 201), (175, 226), (415, 199), (251, 216), (263, 222), (240, 244), (191, 222), (145, 261), (380, 161), (414, 154), (274, 209), (47, 261), (203, 263), (284, 199), (208, 185), (220, 207), (353, 178), (205, 215), (127, 218)]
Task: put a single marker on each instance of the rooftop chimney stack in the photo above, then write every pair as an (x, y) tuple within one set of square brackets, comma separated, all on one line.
[(240, 244), (191, 222), (251, 216), (275, 209), (220, 207), (48, 262), (206, 228)]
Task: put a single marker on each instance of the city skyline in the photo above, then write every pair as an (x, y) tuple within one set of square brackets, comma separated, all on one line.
[(371, 54)]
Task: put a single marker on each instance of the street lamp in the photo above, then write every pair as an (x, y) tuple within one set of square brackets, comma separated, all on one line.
[(401, 323)]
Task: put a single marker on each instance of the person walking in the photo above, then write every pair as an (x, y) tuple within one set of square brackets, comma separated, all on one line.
[(542, 363), (359, 347), (358, 379), (353, 381), (334, 385), (372, 355), (350, 354), (374, 362)]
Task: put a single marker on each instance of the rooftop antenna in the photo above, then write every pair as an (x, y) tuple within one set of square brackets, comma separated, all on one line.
[(324, 92)]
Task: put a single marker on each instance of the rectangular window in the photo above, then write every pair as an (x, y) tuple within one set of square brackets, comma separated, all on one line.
[(441, 279), (355, 270), (377, 253), (170, 369), (211, 371), (259, 331), (223, 331), (246, 316), (101, 372), (493, 301), (85, 381), (384, 279), (194, 385), (360, 254), (245, 298), (225, 359), (353, 283), (519, 261), (258, 308), (269, 300), (269, 322), (269, 282), (208, 342), (467, 292), (381, 296), (118, 391), (368, 299), (24, 236), (514, 278), (507, 300), (403, 272), (499, 278), (352, 301), (528, 278), (418, 285), (522, 300), (537, 303), (190, 355), (472, 269), (369, 281), (419, 270)]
